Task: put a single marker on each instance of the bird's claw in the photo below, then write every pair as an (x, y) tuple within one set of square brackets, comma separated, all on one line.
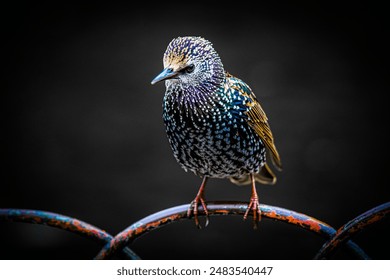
[(254, 205), (193, 209)]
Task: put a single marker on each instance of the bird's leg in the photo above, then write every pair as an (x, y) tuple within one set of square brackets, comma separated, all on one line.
[(254, 204), (194, 204)]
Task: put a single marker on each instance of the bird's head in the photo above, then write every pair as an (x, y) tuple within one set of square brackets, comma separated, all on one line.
[(192, 63)]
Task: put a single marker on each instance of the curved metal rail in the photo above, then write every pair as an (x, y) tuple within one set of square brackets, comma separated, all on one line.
[(351, 228), (177, 213), (113, 245), (62, 222)]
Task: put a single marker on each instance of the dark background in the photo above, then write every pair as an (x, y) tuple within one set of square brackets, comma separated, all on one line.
[(84, 135)]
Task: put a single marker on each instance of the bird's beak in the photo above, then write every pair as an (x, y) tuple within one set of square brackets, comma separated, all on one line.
[(167, 73)]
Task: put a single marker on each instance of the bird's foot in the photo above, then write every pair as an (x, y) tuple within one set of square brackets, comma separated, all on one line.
[(254, 205), (194, 210), (194, 205)]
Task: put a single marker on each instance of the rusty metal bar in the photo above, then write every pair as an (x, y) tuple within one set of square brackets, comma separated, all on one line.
[(62, 222), (351, 228), (177, 213)]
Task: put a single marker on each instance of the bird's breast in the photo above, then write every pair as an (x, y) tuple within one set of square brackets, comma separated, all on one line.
[(210, 139)]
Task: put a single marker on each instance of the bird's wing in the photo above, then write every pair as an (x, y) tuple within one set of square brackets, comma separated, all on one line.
[(257, 118)]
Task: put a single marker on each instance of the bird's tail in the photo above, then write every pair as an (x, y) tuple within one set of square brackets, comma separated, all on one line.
[(265, 176)]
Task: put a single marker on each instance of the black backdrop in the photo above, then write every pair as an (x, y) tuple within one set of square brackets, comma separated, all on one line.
[(84, 135)]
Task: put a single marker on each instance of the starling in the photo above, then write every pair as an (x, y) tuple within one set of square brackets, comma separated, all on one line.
[(215, 125)]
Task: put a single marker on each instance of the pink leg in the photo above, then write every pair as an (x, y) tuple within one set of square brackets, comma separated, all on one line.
[(254, 204), (194, 204)]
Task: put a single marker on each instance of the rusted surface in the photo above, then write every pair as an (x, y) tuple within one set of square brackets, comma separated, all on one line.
[(55, 220), (299, 219), (112, 245), (167, 216), (354, 226), (60, 221)]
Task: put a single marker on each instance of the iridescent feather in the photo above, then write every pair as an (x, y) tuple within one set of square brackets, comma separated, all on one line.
[(215, 125)]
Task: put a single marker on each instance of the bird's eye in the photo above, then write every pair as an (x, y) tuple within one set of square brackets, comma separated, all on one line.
[(190, 68)]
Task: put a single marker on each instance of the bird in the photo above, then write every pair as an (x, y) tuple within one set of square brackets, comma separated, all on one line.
[(215, 125)]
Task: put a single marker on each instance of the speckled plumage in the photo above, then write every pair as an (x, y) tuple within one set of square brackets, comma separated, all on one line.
[(214, 123)]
